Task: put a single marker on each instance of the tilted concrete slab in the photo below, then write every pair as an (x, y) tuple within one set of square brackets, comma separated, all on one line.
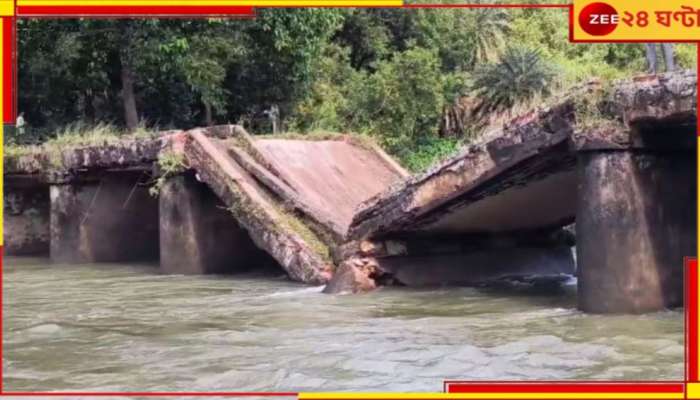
[(271, 228), (524, 179), (331, 176), (486, 188)]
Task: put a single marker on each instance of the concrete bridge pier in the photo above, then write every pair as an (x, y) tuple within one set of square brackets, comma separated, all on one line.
[(198, 235), (636, 221), (110, 218), (26, 211)]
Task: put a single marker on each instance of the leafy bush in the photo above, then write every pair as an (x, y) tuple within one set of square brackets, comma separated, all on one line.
[(399, 104), (325, 106), (402, 100), (426, 152)]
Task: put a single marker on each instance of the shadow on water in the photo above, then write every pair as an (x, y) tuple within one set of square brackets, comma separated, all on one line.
[(559, 290)]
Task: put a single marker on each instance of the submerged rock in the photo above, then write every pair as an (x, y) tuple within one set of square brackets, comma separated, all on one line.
[(354, 276)]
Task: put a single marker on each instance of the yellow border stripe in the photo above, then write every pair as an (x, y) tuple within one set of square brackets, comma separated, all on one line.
[(7, 8), (452, 396), (693, 390)]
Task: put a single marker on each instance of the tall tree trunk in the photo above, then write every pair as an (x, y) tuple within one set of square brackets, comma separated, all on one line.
[(651, 57), (131, 116), (668, 56), (89, 107), (208, 118)]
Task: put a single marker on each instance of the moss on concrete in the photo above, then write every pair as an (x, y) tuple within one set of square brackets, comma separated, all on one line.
[(244, 208), (594, 109), (294, 223), (74, 137), (170, 163)]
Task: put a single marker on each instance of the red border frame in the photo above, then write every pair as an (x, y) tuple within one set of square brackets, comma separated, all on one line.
[(134, 11), (9, 68), (691, 319), (563, 386)]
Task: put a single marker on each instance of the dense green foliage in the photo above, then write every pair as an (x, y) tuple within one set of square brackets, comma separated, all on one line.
[(520, 75), (392, 74)]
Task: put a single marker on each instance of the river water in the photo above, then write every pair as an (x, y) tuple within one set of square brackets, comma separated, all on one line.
[(124, 327)]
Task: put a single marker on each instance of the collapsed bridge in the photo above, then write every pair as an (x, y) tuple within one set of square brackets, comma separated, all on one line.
[(620, 162)]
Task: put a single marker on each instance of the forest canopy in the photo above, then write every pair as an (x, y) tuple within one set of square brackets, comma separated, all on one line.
[(419, 81)]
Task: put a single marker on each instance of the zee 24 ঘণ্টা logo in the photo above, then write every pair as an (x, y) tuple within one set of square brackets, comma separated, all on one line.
[(598, 19), (602, 19)]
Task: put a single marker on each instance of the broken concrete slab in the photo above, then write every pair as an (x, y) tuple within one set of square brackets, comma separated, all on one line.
[(280, 233), (428, 203), (531, 161), (325, 179), (331, 176)]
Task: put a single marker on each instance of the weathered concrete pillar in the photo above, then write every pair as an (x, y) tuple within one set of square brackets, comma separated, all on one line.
[(198, 235), (26, 222), (636, 221), (110, 220)]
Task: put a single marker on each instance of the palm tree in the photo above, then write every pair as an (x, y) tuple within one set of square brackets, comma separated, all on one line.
[(490, 27), (517, 77)]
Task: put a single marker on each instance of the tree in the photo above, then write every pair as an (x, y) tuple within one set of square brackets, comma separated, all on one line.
[(390, 72), (126, 48), (488, 27), (281, 47), (517, 77), (203, 57), (402, 100)]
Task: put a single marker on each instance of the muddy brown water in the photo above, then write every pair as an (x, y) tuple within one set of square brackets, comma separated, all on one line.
[(124, 327)]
